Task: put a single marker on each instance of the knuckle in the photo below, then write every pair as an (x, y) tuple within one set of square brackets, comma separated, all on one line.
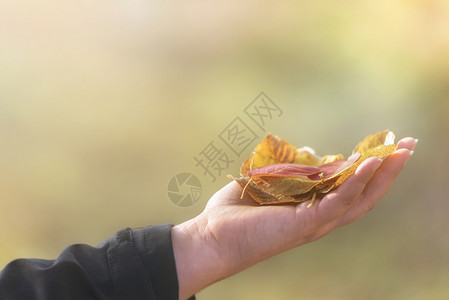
[(364, 180), (347, 202)]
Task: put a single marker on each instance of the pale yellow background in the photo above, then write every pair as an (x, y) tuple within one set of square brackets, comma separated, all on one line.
[(102, 102)]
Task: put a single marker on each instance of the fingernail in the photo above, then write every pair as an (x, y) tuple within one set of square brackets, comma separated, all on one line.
[(416, 141), (411, 152)]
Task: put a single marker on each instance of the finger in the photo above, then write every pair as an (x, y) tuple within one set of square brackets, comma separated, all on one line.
[(336, 203), (390, 169), (385, 176), (407, 143), (377, 187), (356, 210)]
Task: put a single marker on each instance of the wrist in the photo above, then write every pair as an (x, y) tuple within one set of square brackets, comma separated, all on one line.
[(199, 262)]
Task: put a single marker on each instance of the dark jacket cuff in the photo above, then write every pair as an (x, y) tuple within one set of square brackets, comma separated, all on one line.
[(155, 247)]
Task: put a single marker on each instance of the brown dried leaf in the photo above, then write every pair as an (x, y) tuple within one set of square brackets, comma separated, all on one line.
[(278, 168)]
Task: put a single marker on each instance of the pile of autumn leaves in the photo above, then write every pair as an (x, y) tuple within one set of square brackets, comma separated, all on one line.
[(278, 172)]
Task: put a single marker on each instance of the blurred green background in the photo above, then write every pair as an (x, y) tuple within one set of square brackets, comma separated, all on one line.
[(101, 103)]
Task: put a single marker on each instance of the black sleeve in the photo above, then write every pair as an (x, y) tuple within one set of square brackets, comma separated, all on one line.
[(135, 264)]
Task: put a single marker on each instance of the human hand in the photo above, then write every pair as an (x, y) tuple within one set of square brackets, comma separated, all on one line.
[(232, 234)]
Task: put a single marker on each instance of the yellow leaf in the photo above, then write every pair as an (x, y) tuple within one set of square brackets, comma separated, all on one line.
[(277, 172)]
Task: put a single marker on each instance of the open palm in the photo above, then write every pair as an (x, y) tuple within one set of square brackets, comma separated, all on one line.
[(249, 232)]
